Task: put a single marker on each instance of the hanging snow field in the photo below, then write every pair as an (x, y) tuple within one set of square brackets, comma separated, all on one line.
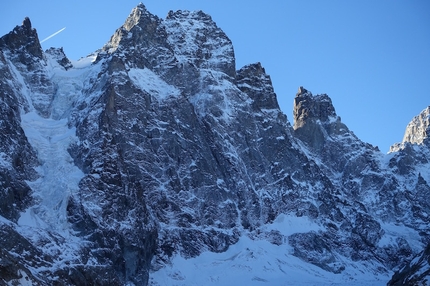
[(59, 177), (50, 138)]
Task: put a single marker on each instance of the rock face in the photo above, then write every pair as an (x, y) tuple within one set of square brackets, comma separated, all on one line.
[(417, 272), (414, 151), (17, 157), (315, 119), (155, 147), (418, 130)]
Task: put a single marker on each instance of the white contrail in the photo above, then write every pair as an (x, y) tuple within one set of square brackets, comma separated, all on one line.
[(47, 38)]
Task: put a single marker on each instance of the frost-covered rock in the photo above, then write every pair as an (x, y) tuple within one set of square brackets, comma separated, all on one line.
[(22, 48), (154, 149), (17, 157), (253, 80), (417, 272), (60, 57), (316, 121)]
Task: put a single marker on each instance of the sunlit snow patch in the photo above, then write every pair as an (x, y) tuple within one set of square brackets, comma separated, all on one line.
[(84, 62), (148, 81)]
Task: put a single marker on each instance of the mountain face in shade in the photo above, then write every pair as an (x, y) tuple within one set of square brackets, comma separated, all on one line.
[(417, 272), (154, 159)]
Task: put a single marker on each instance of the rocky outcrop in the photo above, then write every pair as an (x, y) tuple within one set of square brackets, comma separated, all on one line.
[(311, 109), (416, 133), (417, 272), (315, 119), (60, 57), (418, 130), (22, 48), (253, 80), (318, 126), (344, 158), (23, 40), (17, 157)]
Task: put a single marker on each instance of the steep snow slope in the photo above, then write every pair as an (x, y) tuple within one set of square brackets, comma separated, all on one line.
[(51, 137), (59, 177)]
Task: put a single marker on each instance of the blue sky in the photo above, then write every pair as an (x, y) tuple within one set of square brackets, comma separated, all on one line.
[(371, 57)]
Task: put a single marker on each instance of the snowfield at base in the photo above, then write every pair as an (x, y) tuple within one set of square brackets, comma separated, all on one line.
[(258, 262)]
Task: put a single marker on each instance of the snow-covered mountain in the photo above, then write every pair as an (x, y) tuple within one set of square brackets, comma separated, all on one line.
[(155, 161)]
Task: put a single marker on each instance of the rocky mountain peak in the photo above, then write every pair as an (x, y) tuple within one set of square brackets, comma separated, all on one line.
[(138, 14), (250, 79), (316, 121), (174, 48), (312, 108), (418, 130), (23, 46), (138, 29), (186, 14), (23, 39), (197, 40), (60, 57), (303, 91), (27, 24)]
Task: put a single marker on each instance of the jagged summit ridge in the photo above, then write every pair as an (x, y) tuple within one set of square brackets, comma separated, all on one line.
[(309, 108), (180, 48), (22, 48), (23, 37), (138, 30), (253, 80), (190, 34), (138, 14), (196, 39), (316, 121)]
